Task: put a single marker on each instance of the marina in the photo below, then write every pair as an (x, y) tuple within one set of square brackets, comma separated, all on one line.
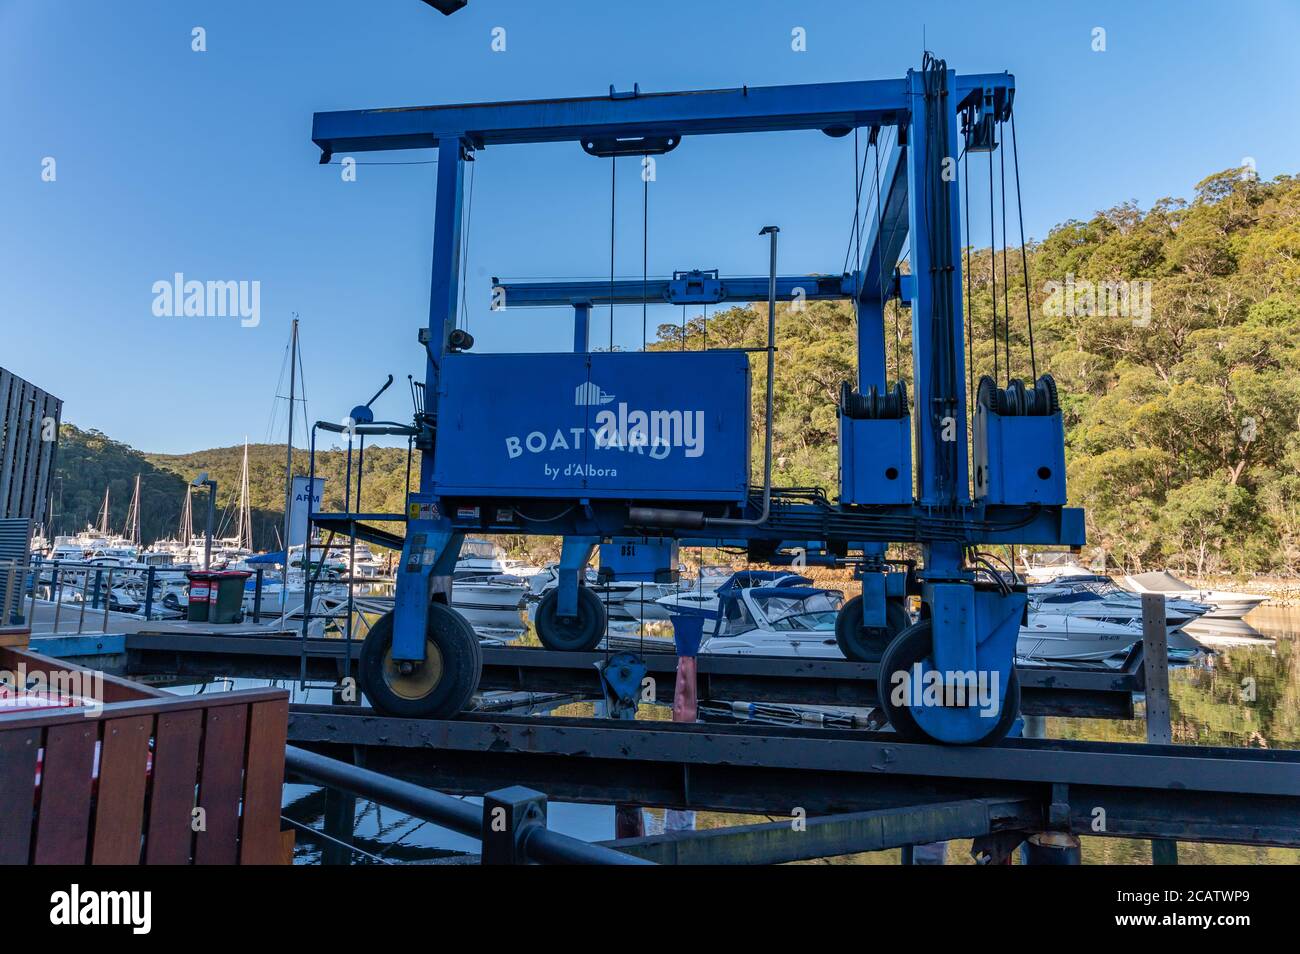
[(560, 477)]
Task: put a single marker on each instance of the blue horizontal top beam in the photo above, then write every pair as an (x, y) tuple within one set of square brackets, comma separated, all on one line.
[(666, 291), (826, 106)]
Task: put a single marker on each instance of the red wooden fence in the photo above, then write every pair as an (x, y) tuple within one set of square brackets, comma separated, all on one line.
[(122, 787)]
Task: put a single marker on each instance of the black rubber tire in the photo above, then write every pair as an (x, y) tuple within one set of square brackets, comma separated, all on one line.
[(911, 646), (868, 645), (450, 644), (574, 634)]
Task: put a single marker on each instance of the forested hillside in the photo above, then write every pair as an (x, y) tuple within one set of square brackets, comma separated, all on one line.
[(1173, 333)]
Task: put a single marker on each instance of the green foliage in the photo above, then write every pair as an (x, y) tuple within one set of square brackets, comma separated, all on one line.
[(1181, 396), (88, 461)]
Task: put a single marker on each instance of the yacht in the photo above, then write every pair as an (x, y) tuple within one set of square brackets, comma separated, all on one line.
[(1048, 566), (1100, 598), (483, 557), (1224, 604), (774, 613)]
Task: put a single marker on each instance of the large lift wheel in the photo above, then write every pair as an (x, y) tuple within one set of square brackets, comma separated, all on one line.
[(436, 689), (574, 634), (911, 646), (868, 645)]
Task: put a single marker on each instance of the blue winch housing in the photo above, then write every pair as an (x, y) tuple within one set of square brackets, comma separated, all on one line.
[(875, 461), (1019, 459)]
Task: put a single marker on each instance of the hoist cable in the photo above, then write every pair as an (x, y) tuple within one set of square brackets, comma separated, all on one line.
[(993, 270), (645, 249), (464, 259), (1024, 256), (880, 268), (613, 179), (970, 305), (1006, 281)]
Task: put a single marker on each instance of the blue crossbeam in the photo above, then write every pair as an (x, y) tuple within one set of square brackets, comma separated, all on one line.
[(835, 107), (672, 291)]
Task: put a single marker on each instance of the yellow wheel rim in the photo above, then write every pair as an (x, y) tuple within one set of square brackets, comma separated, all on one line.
[(421, 681)]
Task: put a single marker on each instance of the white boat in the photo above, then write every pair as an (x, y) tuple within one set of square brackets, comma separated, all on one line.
[(485, 558), (776, 621), (1225, 604), (770, 613), (1048, 566), (1100, 598), (704, 600), (1075, 638)]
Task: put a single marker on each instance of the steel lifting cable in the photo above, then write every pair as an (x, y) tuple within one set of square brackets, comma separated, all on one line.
[(970, 305), (857, 220), (467, 224), (1024, 256), (880, 262), (993, 271), (645, 249), (613, 179), (1006, 283)]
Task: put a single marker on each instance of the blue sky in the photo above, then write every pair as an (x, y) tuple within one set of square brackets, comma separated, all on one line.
[(171, 161)]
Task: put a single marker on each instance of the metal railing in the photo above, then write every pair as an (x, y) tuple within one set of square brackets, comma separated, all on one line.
[(77, 587), (511, 823)]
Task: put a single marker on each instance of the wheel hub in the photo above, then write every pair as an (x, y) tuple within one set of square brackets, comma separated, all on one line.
[(412, 680)]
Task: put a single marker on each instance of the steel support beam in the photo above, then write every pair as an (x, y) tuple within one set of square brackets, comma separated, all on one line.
[(1188, 793), (826, 836), (1061, 692)]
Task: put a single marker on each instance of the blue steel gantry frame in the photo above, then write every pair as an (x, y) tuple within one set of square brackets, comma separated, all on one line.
[(974, 625)]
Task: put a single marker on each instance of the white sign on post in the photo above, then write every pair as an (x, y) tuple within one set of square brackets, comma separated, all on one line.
[(298, 508)]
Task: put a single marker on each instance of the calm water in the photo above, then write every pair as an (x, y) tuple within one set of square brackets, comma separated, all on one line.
[(1241, 695)]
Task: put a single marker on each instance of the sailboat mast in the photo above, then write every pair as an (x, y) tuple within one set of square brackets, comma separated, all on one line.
[(187, 521), (245, 515), (133, 514), (103, 515), (288, 467)]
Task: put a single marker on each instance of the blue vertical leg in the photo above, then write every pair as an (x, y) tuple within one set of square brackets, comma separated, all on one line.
[(575, 552), (428, 561), (581, 327), (444, 289), (430, 551)]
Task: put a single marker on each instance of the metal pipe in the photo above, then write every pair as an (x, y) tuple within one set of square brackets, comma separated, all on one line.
[(211, 526), (455, 814), (150, 577), (108, 595), (56, 593), (769, 230), (542, 844), (694, 519)]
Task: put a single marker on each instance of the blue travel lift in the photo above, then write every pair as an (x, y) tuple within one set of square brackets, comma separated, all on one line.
[(640, 451)]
